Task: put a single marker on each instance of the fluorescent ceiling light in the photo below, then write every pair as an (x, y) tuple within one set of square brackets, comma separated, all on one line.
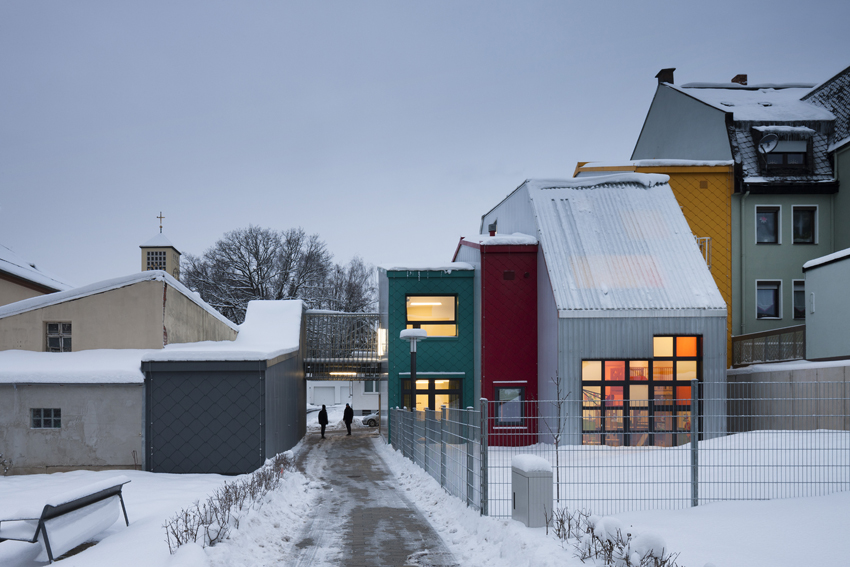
[(426, 303)]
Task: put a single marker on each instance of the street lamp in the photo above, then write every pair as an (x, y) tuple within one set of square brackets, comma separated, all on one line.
[(414, 336)]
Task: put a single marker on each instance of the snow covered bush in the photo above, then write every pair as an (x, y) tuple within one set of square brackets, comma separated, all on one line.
[(210, 522), (5, 464), (606, 540)]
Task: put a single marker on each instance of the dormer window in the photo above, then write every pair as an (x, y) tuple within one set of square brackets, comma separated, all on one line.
[(788, 153), (783, 150)]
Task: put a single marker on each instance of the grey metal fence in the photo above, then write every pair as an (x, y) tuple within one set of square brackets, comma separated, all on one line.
[(448, 445), (750, 441), (343, 346), (778, 345)]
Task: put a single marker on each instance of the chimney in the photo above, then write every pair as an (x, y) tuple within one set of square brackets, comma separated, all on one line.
[(740, 79), (665, 75), (492, 229)]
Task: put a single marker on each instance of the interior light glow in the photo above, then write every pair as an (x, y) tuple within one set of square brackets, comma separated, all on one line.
[(428, 303), (343, 373)]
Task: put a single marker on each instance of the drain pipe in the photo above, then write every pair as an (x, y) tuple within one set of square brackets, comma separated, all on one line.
[(743, 264)]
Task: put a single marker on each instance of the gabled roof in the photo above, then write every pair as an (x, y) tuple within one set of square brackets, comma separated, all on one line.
[(16, 266), (755, 104), (109, 285), (619, 242)]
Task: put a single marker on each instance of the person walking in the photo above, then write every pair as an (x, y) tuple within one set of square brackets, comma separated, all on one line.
[(347, 417), (323, 419)]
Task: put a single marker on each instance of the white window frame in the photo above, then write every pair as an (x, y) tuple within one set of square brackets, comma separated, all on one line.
[(779, 296), (778, 223), (376, 391), (817, 223), (793, 305)]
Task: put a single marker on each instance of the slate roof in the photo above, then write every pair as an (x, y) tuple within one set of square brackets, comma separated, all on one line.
[(834, 95), (619, 242)]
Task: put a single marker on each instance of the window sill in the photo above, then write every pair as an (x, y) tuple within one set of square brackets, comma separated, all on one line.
[(806, 243), (769, 318), (769, 243)]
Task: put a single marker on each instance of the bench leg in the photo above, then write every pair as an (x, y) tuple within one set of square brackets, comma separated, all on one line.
[(46, 542), (121, 497)]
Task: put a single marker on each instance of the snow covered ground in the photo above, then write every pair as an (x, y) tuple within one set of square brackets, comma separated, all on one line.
[(775, 533)]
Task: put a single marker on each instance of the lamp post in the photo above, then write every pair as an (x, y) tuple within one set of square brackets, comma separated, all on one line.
[(414, 336)]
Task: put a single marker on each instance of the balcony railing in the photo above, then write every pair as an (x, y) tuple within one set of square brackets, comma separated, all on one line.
[(778, 345)]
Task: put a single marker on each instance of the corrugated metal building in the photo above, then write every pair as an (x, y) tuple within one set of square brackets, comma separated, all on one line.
[(626, 306)]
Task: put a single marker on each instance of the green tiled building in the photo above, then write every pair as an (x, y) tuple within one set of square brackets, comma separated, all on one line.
[(439, 300)]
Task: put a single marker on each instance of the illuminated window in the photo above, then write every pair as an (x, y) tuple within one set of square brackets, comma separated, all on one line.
[(437, 314), (429, 393), (642, 402)]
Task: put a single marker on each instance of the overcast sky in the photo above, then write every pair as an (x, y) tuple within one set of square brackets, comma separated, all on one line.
[(388, 128)]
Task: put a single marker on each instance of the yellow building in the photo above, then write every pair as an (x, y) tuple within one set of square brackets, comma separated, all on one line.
[(704, 192)]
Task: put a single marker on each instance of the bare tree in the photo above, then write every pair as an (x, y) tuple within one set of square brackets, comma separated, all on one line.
[(557, 431), (260, 263)]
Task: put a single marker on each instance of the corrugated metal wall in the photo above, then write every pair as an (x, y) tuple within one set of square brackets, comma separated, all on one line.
[(514, 214), (286, 405), (631, 338)]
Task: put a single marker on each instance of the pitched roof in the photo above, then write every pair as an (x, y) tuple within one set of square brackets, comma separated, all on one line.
[(159, 241), (619, 242), (834, 95), (15, 265), (109, 285), (756, 104)]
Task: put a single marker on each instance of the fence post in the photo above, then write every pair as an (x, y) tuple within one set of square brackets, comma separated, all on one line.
[(443, 446), (695, 443), (468, 443), (483, 441)]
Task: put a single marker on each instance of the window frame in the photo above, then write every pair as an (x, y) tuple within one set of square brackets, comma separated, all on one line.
[(156, 260), (431, 391), (375, 385), (794, 290), (55, 418), (519, 422), (765, 282), (408, 324), (627, 435), (815, 228), (61, 334), (778, 228)]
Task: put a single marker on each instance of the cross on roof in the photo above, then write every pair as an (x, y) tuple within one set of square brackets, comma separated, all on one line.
[(160, 217)]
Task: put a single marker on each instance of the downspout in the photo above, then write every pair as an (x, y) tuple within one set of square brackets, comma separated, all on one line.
[(164, 330), (743, 264)]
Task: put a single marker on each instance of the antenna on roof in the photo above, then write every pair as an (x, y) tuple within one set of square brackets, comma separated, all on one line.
[(160, 217)]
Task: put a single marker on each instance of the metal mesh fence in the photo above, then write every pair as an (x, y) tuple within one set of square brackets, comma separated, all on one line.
[(777, 345), (447, 444), (750, 441), (343, 346)]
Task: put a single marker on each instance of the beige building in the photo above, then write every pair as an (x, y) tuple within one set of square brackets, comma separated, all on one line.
[(147, 310), (20, 279), (159, 254)]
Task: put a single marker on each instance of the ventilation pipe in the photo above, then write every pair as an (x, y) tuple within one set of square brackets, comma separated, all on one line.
[(665, 75)]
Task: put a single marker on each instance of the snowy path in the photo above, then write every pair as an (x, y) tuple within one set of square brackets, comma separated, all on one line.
[(362, 517)]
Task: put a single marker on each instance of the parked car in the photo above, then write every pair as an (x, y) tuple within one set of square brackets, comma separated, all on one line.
[(372, 420)]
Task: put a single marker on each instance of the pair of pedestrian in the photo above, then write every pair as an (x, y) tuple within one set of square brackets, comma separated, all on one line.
[(347, 417)]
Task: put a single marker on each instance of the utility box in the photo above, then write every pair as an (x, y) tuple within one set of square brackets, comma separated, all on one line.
[(531, 480)]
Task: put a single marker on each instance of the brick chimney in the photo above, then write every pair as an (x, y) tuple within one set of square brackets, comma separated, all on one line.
[(740, 79), (665, 75)]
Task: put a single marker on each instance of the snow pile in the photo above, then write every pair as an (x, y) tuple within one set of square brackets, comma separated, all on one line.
[(409, 334), (647, 180), (101, 366), (786, 130), (271, 329), (757, 104)]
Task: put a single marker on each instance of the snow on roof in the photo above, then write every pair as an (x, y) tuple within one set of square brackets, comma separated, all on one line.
[(838, 145), (798, 130), (790, 365), (757, 104), (13, 264), (660, 163), (109, 285), (159, 241), (516, 238), (102, 366), (413, 267), (616, 242), (271, 329), (753, 87), (815, 262)]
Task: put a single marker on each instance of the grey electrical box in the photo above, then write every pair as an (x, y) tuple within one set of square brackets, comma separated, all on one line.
[(531, 479)]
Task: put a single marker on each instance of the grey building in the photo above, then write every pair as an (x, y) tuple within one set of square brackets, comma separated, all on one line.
[(628, 314), (787, 142), (827, 307)]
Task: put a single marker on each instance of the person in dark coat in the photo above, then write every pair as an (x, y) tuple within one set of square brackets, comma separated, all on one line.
[(347, 417), (323, 419)]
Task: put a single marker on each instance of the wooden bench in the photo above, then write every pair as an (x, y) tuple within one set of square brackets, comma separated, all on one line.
[(63, 506)]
